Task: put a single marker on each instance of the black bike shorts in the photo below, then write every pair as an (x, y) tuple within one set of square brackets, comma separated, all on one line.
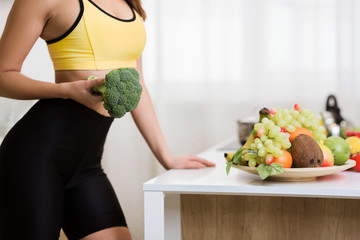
[(51, 175)]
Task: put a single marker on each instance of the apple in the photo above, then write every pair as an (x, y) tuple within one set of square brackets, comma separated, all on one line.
[(356, 157), (340, 149), (328, 156)]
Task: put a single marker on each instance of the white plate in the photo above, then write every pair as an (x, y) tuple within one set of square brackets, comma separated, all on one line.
[(301, 174)]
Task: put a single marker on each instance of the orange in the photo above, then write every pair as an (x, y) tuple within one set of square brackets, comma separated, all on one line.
[(298, 131), (285, 160)]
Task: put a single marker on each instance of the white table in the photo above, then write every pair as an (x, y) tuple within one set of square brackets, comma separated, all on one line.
[(162, 193)]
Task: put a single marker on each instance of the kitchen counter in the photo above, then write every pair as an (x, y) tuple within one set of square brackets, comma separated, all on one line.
[(164, 204)]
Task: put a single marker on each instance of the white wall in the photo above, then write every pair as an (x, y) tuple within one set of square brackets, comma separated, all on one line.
[(208, 63), (37, 65)]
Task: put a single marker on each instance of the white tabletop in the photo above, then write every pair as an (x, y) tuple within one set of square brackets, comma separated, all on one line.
[(215, 181)]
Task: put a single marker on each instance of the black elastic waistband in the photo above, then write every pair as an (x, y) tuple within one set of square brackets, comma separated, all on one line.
[(75, 107)]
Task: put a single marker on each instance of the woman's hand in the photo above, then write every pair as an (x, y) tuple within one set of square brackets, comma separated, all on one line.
[(80, 91), (188, 161)]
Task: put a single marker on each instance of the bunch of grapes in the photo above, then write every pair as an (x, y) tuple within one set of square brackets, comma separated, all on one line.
[(273, 133)]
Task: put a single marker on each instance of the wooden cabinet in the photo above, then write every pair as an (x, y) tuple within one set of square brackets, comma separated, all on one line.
[(215, 217)]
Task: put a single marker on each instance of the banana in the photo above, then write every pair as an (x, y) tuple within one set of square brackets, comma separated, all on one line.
[(229, 155), (249, 141), (264, 112), (237, 157)]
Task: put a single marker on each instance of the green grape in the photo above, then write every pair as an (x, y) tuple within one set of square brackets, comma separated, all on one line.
[(296, 123), (253, 146), (288, 118), (257, 141), (263, 138), (268, 142), (278, 137), (265, 120), (290, 128), (294, 113), (247, 156), (281, 123), (283, 115), (306, 124), (270, 148), (286, 144), (262, 152), (269, 125), (260, 145), (252, 162), (301, 119), (257, 126), (274, 131), (277, 145), (283, 142), (278, 153)]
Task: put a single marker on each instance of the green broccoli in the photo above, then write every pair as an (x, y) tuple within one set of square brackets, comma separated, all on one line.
[(121, 91)]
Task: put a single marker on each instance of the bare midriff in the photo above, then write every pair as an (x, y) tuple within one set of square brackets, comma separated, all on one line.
[(76, 75)]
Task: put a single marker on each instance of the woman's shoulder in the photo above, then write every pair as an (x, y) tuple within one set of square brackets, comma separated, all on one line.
[(45, 9), (40, 3), (37, 5)]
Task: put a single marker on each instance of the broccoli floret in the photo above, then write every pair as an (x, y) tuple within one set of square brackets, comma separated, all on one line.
[(121, 91)]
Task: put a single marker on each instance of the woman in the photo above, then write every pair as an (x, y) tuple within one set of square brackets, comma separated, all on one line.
[(50, 171)]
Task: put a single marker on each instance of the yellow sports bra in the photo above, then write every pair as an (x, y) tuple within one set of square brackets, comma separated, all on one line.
[(98, 40)]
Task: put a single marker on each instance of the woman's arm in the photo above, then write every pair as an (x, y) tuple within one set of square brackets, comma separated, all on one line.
[(146, 120), (24, 26)]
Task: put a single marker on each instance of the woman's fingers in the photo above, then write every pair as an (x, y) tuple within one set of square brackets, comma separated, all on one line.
[(194, 164), (190, 161), (96, 82), (95, 99), (202, 161), (80, 91)]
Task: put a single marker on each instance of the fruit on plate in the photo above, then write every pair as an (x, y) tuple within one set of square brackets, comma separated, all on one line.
[(328, 156), (285, 159), (269, 146), (306, 152), (356, 157), (340, 149), (354, 143)]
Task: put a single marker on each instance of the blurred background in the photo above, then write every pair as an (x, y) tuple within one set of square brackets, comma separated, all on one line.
[(209, 63)]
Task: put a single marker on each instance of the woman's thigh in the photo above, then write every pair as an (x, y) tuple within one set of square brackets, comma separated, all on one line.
[(52, 147), (91, 206), (115, 233), (31, 205)]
